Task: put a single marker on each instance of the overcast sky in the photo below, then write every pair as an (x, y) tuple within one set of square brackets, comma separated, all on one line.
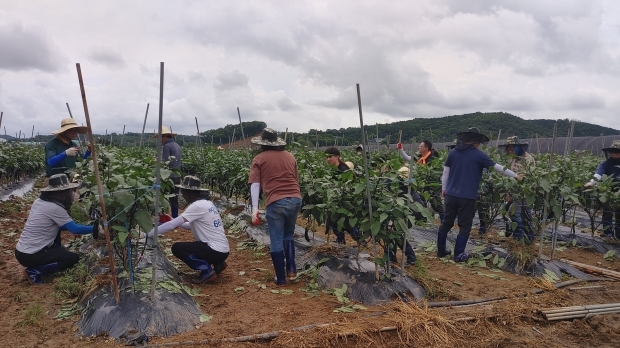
[(295, 63)]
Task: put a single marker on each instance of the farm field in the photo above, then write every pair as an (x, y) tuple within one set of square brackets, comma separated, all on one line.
[(243, 301)]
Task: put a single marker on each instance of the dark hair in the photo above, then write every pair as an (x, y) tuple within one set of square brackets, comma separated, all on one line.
[(332, 151), (428, 144), (194, 195), (272, 148)]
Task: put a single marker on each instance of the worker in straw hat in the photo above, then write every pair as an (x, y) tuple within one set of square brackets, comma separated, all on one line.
[(334, 160), (61, 152), (171, 151), (460, 182), (275, 171), (209, 251), (39, 247), (520, 162), (610, 167)]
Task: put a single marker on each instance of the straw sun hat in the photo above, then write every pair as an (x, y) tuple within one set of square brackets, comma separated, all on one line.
[(60, 182), (69, 123), (165, 130), (268, 137)]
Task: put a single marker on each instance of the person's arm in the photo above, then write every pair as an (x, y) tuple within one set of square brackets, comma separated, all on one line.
[(56, 160), (165, 153), (86, 154), (444, 178), (504, 171), (77, 229), (168, 226), (404, 155), (255, 192)]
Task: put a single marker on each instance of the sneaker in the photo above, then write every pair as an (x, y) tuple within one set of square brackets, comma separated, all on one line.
[(207, 275), (410, 262), (461, 257)]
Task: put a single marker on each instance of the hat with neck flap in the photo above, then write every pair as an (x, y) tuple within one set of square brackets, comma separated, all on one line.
[(514, 141), (268, 137)]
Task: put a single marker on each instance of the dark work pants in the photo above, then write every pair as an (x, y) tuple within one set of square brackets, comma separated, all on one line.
[(64, 258), (175, 200), (464, 209), (203, 251), (608, 221)]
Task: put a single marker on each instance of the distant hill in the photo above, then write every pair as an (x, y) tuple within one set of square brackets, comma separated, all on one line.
[(444, 129)]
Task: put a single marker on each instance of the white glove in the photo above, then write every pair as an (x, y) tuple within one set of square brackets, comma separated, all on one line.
[(72, 152), (255, 219), (589, 184)]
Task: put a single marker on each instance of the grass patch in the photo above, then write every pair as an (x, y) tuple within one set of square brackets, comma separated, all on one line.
[(33, 315), (73, 282), (434, 290)]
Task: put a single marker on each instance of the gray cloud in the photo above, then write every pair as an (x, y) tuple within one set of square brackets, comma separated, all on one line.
[(231, 80), (26, 48), (107, 56)]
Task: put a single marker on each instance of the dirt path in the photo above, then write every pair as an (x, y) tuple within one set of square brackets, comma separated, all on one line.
[(244, 301)]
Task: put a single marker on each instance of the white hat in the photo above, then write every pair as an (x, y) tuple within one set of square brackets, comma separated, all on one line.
[(165, 130)]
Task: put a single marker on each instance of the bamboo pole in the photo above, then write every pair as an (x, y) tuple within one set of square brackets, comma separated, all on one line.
[(499, 134), (144, 124), (546, 206), (1, 116), (365, 162), (593, 269), (99, 187), (79, 137), (242, 134), (198, 140), (123, 136), (409, 174), (157, 180)]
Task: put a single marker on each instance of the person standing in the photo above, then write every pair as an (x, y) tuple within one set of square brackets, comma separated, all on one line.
[(520, 161), (39, 247), (610, 167), (209, 251), (333, 159), (61, 152), (425, 155), (460, 182), (275, 171), (170, 148)]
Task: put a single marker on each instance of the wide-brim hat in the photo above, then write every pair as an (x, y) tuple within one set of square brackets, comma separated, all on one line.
[(349, 164), (268, 137), (191, 182), (165, 130), (615, 146), (514, 141), (69, 123), (473, 134), (60, 182)]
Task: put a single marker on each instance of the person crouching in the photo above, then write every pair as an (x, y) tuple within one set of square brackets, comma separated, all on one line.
[(209, 252), (39, 248)]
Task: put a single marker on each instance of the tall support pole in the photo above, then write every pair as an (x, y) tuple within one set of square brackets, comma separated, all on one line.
[(32, 134), (2, 115), (365, 161), (285, 135), (104, 217), (157, 180), (241, 124), (144, 124), (499, 134), (79, 136), (410, 173), (199, 140), (123, 136), (546, 206)]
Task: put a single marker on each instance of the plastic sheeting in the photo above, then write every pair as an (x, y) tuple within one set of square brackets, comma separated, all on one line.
[(344, 268), (171, 313)]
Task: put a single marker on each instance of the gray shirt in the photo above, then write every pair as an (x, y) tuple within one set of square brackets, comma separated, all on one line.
[(42, 226), (171, 148)]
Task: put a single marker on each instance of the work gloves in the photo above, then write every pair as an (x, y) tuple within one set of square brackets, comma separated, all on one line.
[(72, 152), (255, 218), (399, 146)]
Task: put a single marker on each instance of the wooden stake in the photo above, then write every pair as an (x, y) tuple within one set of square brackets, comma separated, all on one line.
[(242, 134), (144, 124), (99, 187)]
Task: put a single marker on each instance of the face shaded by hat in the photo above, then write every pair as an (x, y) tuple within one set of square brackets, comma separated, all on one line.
[(453, 145), (60, 182), (614, 148), (191, 183), (514, 141), (165, 131), (472, 135), (67, 124), (268, 137)]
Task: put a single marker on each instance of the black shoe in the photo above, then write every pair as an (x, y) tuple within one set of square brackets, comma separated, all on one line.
[(445, 253), (410, 262), (220, 267), (461, 257)]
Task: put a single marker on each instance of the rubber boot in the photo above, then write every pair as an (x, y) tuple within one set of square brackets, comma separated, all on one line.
[(278, 264), (34, 274), (483, 228), (206, 271), (339, 237), (411, 259), (174, 210), (289, 255), (459, 249), (441, 244)]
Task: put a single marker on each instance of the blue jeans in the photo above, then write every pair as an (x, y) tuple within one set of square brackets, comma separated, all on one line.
[(281, 217)]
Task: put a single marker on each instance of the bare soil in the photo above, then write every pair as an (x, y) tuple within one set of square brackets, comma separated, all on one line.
[(240, 306)]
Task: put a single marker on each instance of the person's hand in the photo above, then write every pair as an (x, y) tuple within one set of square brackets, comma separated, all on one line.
[(72, 152), (443, 193), (589, 184), (90, 148), (520, 176), (255, 219), (399, 146)]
